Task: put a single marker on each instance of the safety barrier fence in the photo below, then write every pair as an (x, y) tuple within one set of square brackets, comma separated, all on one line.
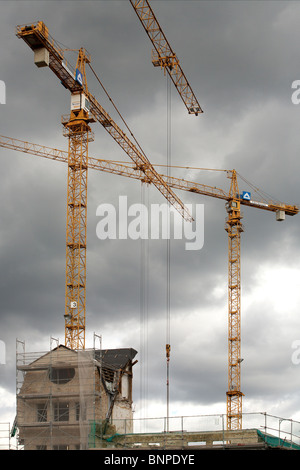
[(273, 430)]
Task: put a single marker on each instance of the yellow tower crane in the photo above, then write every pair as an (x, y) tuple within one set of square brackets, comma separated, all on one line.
[(234, 201), (85, 109)]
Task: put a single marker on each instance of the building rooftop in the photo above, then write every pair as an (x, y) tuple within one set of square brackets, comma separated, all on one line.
[(115, 358)]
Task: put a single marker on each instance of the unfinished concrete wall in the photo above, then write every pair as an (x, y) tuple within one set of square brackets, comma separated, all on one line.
[(62, 393)]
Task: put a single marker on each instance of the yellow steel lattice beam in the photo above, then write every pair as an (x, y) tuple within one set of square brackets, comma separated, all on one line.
[(163, 55)]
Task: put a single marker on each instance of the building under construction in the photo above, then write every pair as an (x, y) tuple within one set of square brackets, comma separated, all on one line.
[(61, 393), (83, 400)]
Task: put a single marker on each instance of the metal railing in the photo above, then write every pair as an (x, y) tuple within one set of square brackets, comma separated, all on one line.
[(275, 431), (7, 442)]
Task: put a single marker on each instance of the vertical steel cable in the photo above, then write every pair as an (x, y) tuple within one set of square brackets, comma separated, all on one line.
[(144, 301), (168, 300)]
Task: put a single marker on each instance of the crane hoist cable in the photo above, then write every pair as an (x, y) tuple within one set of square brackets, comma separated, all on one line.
[(263, 195), (116, 109), (144, 301), (144, 260), (168, 287)]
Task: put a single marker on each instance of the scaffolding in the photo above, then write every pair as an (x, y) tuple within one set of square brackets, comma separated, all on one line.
[(61, 391), (5, 437)]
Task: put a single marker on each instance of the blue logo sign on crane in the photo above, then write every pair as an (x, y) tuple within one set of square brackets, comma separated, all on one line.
[(246, 195), (78, 77)]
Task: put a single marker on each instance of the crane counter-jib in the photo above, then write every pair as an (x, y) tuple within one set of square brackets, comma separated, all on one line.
[(221, 194), (48, 53), (273, 207)]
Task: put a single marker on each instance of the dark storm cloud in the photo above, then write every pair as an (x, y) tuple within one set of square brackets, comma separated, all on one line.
[(241, 59)]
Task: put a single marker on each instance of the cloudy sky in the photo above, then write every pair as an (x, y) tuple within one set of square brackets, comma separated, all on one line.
[(241, 59)]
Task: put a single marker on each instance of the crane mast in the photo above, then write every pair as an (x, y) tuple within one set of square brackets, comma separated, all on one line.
[(78, 131), (234, 228)]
